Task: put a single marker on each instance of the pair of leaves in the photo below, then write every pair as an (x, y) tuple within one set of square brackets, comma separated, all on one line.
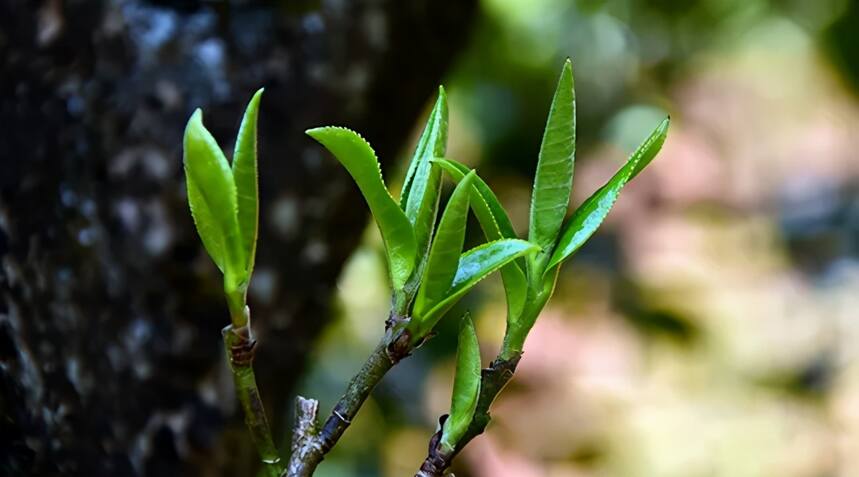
[(224, 199), (553, 181), (550, 198), (450, 274), (466, 387), (443, 275), (431, 269), (588, 217), (496, 225)]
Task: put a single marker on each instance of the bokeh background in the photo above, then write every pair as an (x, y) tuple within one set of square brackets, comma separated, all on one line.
[(709, 329)]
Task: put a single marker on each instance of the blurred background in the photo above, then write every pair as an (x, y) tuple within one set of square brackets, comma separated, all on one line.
[(709, 328)]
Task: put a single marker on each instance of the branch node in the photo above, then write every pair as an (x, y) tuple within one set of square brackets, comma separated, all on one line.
[(398, 338), (242, 345)]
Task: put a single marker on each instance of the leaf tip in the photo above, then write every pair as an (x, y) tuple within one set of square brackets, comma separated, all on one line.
[(568, 68), (466, 324), (315, 133), (196, 119), (194, 127), (253, 104)]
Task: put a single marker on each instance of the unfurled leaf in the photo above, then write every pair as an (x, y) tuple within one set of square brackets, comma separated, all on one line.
[(474, 266), (359, 159), (245, 177), (212, 198), (446, 247), (554, 177), (466, 386), (496, 225), (588, 217)]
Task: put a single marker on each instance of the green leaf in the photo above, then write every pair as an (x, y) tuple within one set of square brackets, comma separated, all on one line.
[(446, 247), (554, 177), (245, 177), (424, 226), (466, 386), (432, 143), (212, 198), (420, 195), (502, 221), (496, 225), (588, 217), (474, 266), (359, 159)]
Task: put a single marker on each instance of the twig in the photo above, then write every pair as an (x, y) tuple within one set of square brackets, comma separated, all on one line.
[(493, 380), (241, 348), (313, 444)]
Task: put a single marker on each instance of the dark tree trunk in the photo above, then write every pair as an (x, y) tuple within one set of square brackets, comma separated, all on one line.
[(110, 356)]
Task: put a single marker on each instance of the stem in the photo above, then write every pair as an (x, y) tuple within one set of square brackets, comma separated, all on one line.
[(539, 292), (241, 347), (492, 382), (500, 371), (310, 445)]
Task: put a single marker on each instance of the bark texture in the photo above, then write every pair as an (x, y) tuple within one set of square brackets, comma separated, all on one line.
[(110, 313)]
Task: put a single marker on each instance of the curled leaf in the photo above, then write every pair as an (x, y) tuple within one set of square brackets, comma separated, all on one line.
[(432, 143), (421, 189), (446, 247), (466, 386)]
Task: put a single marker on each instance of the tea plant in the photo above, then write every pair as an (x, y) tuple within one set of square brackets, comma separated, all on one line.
[(428, 270), (528, 283)]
